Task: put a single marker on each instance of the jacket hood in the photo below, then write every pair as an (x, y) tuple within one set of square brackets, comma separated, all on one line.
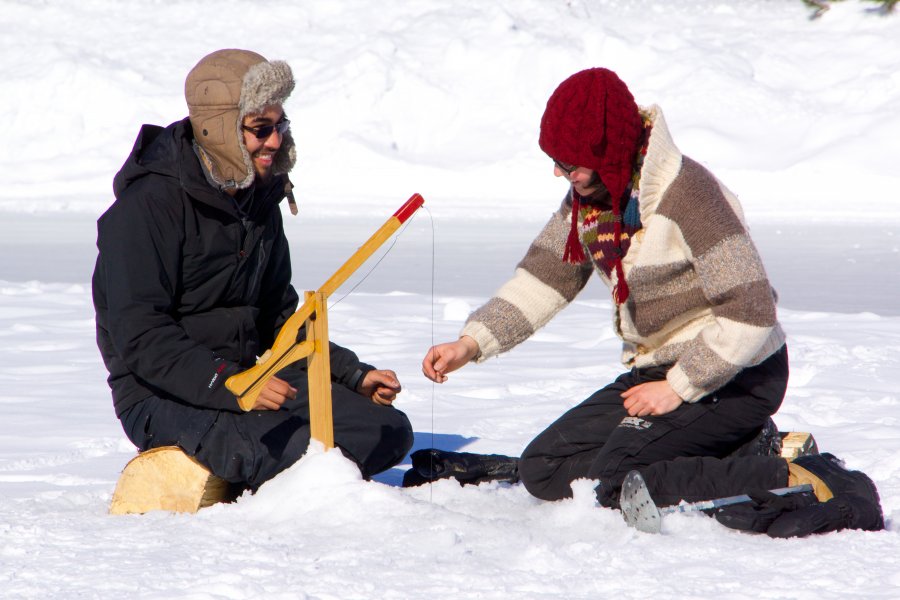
[(170, 152)]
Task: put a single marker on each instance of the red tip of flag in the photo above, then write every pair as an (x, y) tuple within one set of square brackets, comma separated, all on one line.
[(412, 205)]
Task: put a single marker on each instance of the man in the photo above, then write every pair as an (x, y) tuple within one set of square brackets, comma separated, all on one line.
[(193, 281), (692, 304)]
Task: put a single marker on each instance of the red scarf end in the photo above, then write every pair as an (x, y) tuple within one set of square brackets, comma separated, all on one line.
[(573, 253), (620, 291)]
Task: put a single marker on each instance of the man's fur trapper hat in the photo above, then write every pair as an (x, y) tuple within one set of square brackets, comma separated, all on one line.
[(220, 90)]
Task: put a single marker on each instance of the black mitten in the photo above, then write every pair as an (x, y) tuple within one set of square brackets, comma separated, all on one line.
[(819, 518), (762, 510), (431, 464), (843, 512)]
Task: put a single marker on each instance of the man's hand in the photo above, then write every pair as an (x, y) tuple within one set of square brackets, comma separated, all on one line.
[(445, 358), (652, 398), (382, 386), (275, 393)]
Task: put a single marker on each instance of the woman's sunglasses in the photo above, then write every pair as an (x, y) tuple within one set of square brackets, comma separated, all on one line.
[(564, 167)]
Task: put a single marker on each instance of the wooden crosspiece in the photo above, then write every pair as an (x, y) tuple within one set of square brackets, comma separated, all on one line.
[(313, 313)]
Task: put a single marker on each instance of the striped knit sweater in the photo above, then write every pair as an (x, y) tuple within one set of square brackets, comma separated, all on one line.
[(700, 300)]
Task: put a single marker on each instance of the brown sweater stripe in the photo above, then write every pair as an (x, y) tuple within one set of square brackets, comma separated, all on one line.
[(696, 204), (657, 314), (700, 363), (752, 305), (726, 265), (567, 279), (660, 281), (508, 324)]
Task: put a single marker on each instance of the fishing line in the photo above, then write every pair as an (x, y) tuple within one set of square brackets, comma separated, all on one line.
[(381, 258), (433, 272), (433, 385)]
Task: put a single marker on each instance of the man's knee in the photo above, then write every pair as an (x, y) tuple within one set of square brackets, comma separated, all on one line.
[(378, 442), (398, 432)]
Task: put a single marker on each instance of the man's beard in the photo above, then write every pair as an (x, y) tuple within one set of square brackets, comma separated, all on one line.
[(266, 176)]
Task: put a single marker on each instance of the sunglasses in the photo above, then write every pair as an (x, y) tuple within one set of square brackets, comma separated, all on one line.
[(564, 167), (263, 132)]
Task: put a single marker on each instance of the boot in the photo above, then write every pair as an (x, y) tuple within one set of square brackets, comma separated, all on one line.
[(850, 512), (765, 443), (847, 499), (467, 468)]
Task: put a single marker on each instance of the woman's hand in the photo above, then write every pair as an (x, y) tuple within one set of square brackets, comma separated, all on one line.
[(446, 358), (652, 398)]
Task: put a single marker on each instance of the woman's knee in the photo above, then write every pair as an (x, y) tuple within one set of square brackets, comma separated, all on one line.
[(544, 474), (535, 474)]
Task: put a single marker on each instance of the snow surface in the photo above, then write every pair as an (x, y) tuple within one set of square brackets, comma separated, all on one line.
[(443, 97)]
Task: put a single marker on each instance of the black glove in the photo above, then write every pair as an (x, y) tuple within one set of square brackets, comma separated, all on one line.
[(762, 510), (849, 511), (818, 518), (431, 464)]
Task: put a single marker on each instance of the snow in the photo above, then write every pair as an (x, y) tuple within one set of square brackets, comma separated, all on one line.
[(444, 98)]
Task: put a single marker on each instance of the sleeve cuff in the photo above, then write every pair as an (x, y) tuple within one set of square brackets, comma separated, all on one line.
[(357, 377), (679, 382)]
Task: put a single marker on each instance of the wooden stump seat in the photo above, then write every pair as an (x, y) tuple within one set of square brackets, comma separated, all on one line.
[(167, 479)]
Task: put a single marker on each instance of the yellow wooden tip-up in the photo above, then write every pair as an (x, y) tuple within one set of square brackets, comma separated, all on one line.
[(312, 314)]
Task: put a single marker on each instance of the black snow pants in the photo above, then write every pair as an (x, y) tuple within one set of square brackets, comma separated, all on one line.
[(249, 448), (599, 440)]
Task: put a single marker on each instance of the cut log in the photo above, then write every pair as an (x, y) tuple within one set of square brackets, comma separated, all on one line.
[(795, 444), (167, 479)]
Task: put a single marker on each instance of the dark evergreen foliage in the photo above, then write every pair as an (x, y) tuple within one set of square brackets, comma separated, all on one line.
[(820, 7)]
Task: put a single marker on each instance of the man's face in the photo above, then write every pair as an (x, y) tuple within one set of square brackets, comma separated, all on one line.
[(585, 181), (262, 150)]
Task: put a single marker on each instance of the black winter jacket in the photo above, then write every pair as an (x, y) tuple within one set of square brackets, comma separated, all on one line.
[(188, 288)]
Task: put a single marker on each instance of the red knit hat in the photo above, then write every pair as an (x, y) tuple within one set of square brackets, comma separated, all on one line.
[(592, 121)]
